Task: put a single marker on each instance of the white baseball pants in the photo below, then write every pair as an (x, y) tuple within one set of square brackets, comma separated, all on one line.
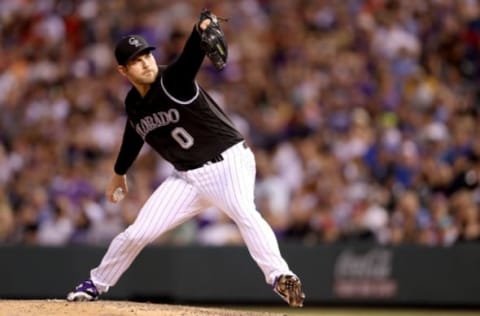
[(228, 185)]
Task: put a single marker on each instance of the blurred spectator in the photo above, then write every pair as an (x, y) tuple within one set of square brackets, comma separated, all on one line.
[(6, 217), (273, 194), (468, 219), (409, 220), (57, 229)]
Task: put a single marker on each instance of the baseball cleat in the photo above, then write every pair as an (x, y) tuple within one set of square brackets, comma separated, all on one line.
[(289, 287), (85, 291)]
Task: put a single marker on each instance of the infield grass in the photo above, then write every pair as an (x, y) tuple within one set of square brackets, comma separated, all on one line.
[(363, 312)]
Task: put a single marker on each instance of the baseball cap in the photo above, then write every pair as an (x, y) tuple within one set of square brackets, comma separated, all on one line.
[(130, 46)]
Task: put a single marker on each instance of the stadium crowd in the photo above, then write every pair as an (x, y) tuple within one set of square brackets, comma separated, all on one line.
[(363, 115)]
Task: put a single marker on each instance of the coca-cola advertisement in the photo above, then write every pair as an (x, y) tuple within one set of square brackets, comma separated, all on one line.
[(364, 274)]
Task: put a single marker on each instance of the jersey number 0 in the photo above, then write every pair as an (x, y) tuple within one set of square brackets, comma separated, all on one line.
[(182, 137)]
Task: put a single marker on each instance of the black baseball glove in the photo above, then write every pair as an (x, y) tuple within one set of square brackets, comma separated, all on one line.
[(213, 41)]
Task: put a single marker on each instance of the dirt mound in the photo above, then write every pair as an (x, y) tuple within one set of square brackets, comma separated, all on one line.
[(111, 308)]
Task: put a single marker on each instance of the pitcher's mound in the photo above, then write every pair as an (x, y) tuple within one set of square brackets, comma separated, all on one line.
[(112, 308)]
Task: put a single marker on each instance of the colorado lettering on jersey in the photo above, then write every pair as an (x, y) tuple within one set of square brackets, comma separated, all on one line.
[(156, 120)]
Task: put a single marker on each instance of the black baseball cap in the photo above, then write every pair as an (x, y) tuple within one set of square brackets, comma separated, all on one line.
[(129, 47)]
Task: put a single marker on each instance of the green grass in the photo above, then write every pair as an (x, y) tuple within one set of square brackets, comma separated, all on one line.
[(361, 312)]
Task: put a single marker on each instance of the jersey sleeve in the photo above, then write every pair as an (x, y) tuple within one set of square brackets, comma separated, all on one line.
[(178, 79), (130, 148)]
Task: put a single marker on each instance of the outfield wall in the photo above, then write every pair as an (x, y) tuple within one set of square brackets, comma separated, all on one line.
[(332, 274)]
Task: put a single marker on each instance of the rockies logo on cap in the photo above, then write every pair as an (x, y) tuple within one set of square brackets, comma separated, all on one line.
[(129, 47), (134, 41)]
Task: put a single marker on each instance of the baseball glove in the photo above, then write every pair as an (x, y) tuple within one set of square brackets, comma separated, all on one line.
[(213, 41)]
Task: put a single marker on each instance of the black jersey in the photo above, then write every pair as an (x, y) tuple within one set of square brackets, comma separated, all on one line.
[(176, 117)]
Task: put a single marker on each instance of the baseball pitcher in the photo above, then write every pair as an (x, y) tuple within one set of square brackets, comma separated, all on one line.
[(213, 166)]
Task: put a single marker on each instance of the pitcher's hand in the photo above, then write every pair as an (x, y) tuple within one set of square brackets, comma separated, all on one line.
[(117, 188)]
